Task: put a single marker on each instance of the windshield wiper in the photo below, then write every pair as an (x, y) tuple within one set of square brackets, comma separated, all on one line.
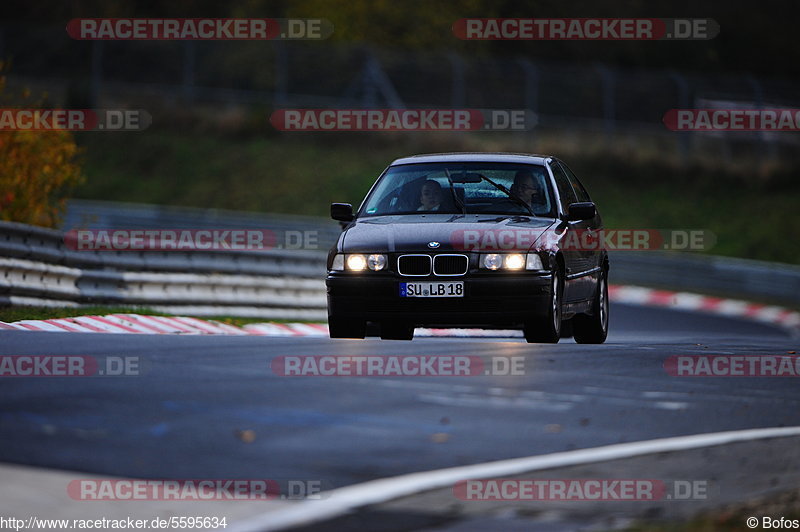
[(508, 193), (457, 201), (512, 217)]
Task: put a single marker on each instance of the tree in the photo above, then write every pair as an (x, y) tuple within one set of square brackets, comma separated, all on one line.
[(37, 169)]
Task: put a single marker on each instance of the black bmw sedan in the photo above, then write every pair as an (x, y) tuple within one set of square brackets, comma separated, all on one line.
[(487, 240)]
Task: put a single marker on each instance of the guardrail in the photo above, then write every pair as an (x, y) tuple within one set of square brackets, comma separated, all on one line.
[(708, 274), (91, 214), (37, 268)]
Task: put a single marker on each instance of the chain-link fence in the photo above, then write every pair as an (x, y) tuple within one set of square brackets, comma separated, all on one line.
[(273, 74)]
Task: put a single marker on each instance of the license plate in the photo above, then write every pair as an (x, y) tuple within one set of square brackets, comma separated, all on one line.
[(452, 289)]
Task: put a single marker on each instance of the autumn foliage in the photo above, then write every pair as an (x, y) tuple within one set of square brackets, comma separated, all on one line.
[(37, 169)]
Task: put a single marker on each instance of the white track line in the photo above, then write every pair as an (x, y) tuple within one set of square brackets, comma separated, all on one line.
[(343, 500)]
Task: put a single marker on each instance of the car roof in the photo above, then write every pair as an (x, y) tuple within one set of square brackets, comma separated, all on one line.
[(482, 157)]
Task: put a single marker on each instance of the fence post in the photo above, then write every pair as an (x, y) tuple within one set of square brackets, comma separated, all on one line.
[(372, 81), (608, 79), (531, 84), (97, 73), (382, 83), (188, 70), (369, 96), (531, 88), (767, 148), (280, 96), (683, 103), (458, 95)]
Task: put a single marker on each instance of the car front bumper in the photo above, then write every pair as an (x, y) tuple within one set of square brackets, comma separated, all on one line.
[(490, 300)]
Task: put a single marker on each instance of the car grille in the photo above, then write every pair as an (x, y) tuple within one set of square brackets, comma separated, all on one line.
[(450, 264), (414, 265), (441, 265)]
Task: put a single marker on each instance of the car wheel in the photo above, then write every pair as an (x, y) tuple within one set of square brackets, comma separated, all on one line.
[(594, 329), (547, 330), (396, 331), (345, 328)]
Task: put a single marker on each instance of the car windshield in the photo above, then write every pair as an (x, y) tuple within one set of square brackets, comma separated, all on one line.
[(456, 188)]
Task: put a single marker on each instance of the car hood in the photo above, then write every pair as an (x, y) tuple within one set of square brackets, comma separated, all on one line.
[(452, 232)]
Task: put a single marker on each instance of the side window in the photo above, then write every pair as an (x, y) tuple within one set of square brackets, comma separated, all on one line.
[(568, 196), (576, 185)]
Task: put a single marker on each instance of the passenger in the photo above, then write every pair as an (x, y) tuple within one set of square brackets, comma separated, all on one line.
[(430, 196)]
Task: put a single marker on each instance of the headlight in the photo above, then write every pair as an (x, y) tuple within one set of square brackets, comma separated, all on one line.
[(376, 262), (338, 263), (356, 263), (511, 261), (534, 262), (515, 261), (493, 261)]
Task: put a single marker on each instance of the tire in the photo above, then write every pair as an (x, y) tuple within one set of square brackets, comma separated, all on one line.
[(547, 330), (396, 331), (593, 329), (344, 328)]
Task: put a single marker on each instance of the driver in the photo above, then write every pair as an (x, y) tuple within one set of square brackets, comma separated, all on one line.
[(526, 187)]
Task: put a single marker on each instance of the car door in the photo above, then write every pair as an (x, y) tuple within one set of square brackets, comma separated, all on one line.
[(577, 286), (593, 256)]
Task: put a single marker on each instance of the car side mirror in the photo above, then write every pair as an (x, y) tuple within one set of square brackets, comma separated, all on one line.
[(581, 211), (342, 212)]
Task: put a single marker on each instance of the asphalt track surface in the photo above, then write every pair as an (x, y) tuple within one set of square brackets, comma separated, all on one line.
[(182, 417)]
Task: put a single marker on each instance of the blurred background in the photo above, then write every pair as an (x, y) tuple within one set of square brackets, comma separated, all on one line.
[(599, 106)]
